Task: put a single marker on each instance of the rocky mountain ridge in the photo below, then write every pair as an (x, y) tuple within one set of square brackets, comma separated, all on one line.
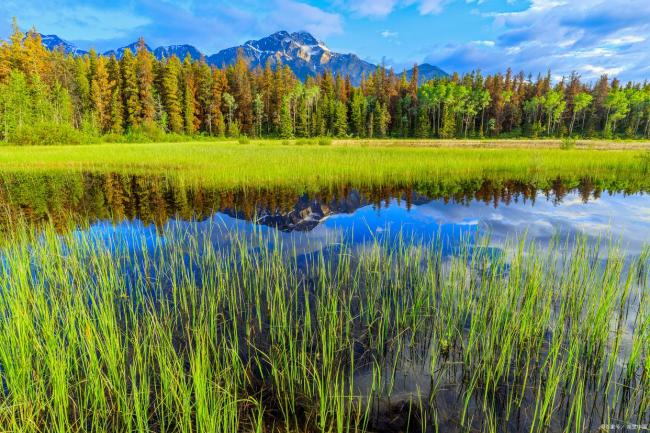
[(301, 51)]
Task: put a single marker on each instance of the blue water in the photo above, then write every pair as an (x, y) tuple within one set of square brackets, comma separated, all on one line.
[(622, 219)]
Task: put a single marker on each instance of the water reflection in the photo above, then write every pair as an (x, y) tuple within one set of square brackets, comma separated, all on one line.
[(542, 206)]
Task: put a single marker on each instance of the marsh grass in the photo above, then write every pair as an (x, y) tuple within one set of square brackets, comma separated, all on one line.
[(106, 334), (274, 164)]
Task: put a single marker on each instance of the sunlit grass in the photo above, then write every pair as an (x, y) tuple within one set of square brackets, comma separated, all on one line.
[(269, 163)]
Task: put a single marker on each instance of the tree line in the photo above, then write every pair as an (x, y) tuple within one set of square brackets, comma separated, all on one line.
[(49, 96)]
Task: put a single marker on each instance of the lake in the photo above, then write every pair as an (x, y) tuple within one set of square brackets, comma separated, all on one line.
[(428, 306), (124, 205)]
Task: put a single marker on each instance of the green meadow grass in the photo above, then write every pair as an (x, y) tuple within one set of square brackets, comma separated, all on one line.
[(269, 163), (188, 338)]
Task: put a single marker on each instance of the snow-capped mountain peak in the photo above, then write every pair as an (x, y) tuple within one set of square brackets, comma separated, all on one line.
[(53, 42)]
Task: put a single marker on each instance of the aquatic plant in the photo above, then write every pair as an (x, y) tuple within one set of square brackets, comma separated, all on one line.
[(172, 334)]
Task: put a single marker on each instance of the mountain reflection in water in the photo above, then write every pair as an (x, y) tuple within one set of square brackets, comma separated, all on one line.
[(542, 209)]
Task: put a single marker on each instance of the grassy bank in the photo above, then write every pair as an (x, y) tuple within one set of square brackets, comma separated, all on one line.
[(229, 164), (503, 143), (175, 336)]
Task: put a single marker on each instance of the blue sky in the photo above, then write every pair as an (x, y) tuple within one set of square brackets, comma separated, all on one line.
[(591, 37)]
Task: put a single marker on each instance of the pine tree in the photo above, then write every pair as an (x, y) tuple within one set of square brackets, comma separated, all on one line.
[(258, 111), (341, 120), (16, 55), (39, 88), (358, 113), (37, 58), (188, 111), (189, 95), (130, 90), (81, 89), (145, 77), (204, 96), (423, 126), (170, 95), (217, 121), (101, 96), (286, 124), (117, 111), (240, 86)]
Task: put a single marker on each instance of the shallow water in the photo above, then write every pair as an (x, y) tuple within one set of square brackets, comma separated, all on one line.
[(128, 205), (146, 214)]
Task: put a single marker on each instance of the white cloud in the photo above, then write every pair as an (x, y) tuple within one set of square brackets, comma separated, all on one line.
[(387, 34), (295, 15), (625, 40), (614, 35), (427, 7), (373, 8), (484, 43), (383, 8), (597, 71), (587, 54)]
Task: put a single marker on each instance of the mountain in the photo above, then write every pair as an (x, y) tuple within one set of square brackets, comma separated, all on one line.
[(120, 51), (180, 51), (302, 52), (309, 212), (307, 56), (53, 42), (427, 72)]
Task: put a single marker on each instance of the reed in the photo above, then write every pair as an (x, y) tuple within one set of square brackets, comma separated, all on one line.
[(175, 335)]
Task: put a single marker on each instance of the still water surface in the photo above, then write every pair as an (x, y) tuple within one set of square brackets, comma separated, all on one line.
[(618, 217), (143, 214)]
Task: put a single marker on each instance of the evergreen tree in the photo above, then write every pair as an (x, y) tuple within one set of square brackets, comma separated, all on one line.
[(117, 110), (286, 123), (340, 126), (217, 122), (170, 95), (423, 126), (358, 113), (258, 111), (145, 77), (204, 97), (101, 96), (130, 89), (189, 94)]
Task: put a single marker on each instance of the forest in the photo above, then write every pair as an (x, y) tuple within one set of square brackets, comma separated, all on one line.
[(48, 97)]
